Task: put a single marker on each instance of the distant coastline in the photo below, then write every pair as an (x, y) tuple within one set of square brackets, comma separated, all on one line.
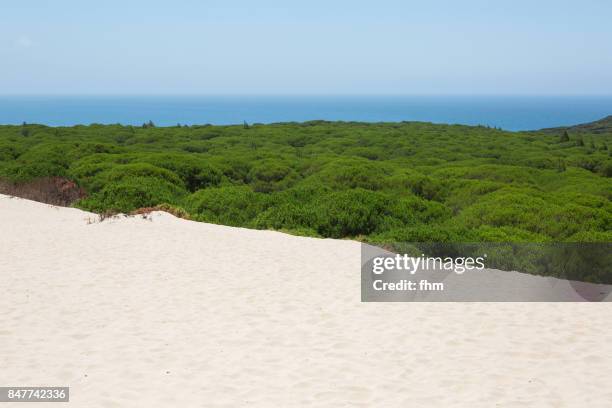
[(515, 113)]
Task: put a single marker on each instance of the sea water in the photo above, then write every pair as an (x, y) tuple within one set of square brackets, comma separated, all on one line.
[(506, 112)]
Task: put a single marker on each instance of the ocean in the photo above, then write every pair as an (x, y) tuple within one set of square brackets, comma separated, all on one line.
[(506, 112)]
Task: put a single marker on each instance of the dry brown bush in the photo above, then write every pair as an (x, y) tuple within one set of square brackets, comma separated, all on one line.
[(177, 212), (50, 190)]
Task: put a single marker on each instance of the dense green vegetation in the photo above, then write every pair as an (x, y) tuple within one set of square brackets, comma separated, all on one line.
[(385, 182)]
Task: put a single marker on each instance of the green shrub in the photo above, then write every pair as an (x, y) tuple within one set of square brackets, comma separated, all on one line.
[(606, 169), (87, 171), (404, 181), (351, 213), (228, 205), (270, 175), (289, 216), (353, 173), (412, 210), (439, 233), (486, 233), (236, 169), (195, 171), (31, 170), (128, 194), (134, 170), (50, 153), (409, 180), (8, 152)]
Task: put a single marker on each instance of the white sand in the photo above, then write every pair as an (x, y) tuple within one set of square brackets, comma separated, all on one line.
[(172, 313)]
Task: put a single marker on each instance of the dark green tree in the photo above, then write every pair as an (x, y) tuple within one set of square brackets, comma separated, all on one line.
[(561, 166), (25, 132), (564, 137)]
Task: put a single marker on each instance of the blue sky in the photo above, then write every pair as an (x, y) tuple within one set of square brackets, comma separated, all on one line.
[(306, 47)]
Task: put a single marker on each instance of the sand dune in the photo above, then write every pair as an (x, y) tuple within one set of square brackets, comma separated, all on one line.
[(166, 312)]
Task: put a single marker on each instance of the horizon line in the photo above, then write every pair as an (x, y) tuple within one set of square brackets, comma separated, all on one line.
[(9, 95)]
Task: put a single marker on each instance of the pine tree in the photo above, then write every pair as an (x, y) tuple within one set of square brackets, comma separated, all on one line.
[(564, 137), (561, 166), (579, 141), (25, 132)]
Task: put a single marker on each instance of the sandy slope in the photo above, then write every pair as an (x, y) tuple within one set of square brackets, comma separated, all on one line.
[(162, 313)]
